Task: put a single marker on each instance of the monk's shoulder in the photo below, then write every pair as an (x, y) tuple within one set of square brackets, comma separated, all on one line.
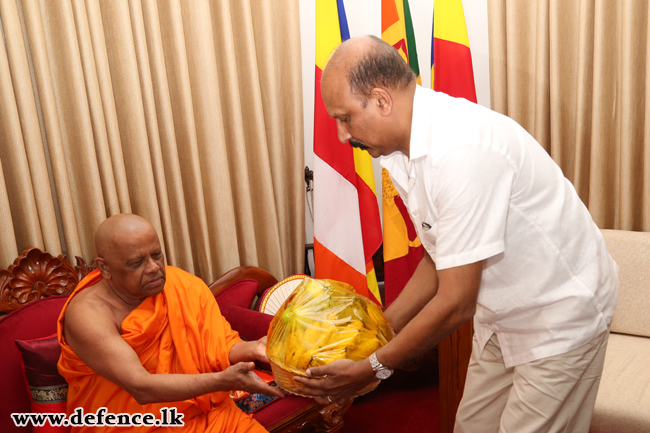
[(88, 303), (179, 273), (177, 276), (187, 285)]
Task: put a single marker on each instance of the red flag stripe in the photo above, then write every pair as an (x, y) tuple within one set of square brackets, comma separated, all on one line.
[(337, 155), (371, 226), (453, 69)]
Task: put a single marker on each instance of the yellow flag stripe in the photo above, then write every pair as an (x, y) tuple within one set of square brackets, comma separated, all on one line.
[(373, 286), (449, 21), (328, 33), (363, 167)]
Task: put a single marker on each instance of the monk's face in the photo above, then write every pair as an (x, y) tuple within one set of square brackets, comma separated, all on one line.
[(136, 265)]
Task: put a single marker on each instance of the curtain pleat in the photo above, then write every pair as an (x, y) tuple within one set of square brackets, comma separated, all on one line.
[(25, 164), (574, 75), (8, 245), (186, 113)]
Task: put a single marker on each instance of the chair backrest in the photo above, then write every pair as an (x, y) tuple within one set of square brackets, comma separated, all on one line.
[(631, 251), (263, 278), (35, 320), (36, 274)]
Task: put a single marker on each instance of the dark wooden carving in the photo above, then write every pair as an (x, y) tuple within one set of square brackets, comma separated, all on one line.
[(82, 268), (332, 416), (36, 274), (313, 418)]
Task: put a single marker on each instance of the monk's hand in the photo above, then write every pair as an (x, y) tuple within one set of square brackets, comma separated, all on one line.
[(336, 382), (239, 377), (259, 352)]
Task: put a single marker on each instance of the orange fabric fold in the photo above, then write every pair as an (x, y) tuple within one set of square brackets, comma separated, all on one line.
[(179, 331)]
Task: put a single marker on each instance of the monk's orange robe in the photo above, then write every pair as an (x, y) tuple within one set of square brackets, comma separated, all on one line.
[(180, 330)]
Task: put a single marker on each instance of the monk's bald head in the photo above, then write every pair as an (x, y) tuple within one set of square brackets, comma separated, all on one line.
[(130, 258), (117, 234), (368, 62)]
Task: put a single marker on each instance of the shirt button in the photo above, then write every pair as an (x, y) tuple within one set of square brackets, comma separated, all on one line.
[(415, 213)]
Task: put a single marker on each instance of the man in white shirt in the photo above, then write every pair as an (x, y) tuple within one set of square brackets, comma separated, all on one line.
[(508, 242)]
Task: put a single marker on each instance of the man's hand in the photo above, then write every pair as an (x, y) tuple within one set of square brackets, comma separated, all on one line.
[(339, 380), (240, 377)]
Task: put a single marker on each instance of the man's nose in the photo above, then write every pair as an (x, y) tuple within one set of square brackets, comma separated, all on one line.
[(342, 131)]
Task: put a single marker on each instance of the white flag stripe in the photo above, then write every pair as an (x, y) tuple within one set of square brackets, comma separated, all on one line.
[(337, 222)]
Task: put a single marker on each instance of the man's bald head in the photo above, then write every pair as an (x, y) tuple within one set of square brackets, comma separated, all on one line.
[(369, 62), (369, 89)]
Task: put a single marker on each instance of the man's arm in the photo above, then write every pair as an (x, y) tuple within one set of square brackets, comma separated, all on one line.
[(419, 290), (453, 304), (90, 331)]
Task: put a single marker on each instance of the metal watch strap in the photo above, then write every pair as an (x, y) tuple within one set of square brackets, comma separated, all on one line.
[(381, 371)]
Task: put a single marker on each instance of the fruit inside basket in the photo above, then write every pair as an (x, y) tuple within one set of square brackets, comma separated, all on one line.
[(320, 322)]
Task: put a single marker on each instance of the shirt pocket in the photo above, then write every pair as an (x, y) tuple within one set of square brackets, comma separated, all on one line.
[(428, 233)]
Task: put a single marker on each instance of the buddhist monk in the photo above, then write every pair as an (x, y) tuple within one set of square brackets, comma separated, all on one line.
[(138, 336)]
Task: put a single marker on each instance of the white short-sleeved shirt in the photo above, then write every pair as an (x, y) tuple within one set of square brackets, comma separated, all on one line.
[(478, 186)]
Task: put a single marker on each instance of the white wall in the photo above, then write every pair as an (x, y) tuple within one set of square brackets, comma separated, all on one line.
[(364, 17)]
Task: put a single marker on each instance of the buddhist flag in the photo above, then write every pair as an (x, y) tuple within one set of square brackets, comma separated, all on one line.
[(451, 59), (402, 248), (347, 228)]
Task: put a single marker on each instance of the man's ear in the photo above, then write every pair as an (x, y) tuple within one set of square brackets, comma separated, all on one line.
[(383, 99), (102, 265)]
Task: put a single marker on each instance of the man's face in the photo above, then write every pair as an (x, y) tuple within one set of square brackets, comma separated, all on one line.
[(363, 126), (137, 265)]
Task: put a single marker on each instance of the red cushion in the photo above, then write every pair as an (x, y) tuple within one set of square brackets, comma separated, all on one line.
[(240, 293), (251, 324), (48, 389), (35, 320)]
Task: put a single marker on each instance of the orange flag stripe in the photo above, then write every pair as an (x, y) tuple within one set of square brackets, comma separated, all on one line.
[(331, 264)]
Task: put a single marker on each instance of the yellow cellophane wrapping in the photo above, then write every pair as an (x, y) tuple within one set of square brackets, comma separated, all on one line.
[(320, 322)]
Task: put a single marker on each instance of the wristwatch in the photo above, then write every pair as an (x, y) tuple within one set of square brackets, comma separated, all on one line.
[(381, 371)]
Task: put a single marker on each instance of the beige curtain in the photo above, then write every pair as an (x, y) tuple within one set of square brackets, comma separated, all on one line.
[(575, 75), (187, 112)]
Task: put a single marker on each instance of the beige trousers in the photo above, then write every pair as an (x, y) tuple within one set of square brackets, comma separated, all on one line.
[(554, 394)]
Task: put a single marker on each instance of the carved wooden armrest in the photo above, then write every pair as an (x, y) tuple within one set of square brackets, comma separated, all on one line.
[(36, 274)]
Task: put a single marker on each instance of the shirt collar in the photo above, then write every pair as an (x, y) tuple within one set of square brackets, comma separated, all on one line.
[(420, 124), (418, 146)]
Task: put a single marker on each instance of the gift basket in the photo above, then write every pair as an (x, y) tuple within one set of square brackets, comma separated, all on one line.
[(320, 322)]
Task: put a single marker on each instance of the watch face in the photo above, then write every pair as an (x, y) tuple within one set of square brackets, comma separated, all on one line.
[(383, 374)]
